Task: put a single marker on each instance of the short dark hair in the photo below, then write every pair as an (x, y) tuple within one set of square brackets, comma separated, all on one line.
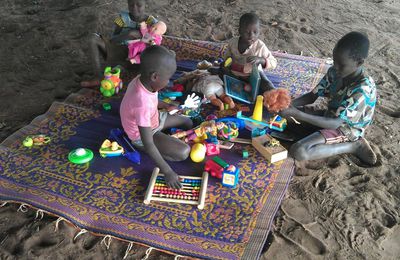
[(155, 58), (248, 18), (357, 43)]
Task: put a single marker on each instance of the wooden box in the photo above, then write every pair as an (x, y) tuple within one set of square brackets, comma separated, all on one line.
[(271, 153)]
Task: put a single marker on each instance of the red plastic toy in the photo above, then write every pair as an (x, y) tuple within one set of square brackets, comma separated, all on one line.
[(212, 149), (214, 169)]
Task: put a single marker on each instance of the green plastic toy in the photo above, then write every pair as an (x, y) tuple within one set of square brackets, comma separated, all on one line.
[(106, 106), (80, 155)]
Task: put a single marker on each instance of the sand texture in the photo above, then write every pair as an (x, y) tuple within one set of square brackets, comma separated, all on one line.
[(336, 208)]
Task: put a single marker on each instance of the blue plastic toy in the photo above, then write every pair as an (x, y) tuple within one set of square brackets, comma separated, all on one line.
[(129, 151), (230, 176), (166, 94), (239, 122)]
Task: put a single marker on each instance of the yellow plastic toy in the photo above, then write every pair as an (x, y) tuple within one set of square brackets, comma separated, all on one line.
[(258, 109), (198, 152)]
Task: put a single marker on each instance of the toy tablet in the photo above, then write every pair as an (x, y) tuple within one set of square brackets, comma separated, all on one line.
[(193, 190), (235, 87)]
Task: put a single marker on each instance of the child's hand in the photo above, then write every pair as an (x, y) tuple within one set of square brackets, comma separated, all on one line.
[(172, 180), (143, 24), (256, 60)]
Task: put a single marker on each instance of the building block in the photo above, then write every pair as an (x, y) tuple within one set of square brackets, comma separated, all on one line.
[(212, 149), (230, 176)]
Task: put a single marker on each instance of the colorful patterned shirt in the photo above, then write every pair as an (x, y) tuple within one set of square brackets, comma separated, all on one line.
[(355, 103)]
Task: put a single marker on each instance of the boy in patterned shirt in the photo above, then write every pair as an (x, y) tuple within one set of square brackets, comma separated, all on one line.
[(115, 50), (352, 98)]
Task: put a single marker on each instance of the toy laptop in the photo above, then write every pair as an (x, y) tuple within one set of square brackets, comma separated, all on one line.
[(235, 87)]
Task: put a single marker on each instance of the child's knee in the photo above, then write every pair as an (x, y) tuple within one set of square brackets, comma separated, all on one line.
[(182, 153), (299, 152), (187, 123)]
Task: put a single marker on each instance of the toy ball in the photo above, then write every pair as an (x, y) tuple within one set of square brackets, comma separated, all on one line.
[(80, 155), (198, 152), (277, 99)]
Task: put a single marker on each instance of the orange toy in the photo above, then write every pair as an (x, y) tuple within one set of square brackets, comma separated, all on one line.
[(277, 99)]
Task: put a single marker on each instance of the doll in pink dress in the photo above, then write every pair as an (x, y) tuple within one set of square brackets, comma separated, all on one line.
[(151, 35)]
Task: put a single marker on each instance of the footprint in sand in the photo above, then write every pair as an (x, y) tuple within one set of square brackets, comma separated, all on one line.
[(297, 234), (90, 241), (320, 182), (389, 112), (306, 30), (38, 244)]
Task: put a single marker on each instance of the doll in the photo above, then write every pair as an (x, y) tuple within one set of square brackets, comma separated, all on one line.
[(210, 85), (277, 99), (151, 35)]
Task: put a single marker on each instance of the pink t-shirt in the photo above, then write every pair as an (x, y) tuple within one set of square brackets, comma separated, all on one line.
[(138, 108)]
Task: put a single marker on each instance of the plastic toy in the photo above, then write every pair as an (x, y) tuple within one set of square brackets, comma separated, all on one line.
[(170, 95), (129, 151), (198, 152), (111, 83), (215, 167), (270, 148), (151, 35), (261, 123), (151, 20), (277, 123), (110, 149), (210, 85), (193, 191), (208, 128), (36, 140), (230, 176), (277, 99), (225, 145), (240, 124), (228, 62), (241, 141), (228, 132), (238, 89), (212, 149), (245, 154), (80, 155), (258, 109), (106, 106)]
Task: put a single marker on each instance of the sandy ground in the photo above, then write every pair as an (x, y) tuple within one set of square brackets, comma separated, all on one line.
[(334, 209)]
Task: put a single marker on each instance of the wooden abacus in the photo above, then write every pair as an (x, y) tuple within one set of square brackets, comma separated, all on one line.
[(193, 190)]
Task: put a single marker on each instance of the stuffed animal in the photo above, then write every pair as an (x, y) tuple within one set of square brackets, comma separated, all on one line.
[(277, 99), (211, 86), (151, 35)]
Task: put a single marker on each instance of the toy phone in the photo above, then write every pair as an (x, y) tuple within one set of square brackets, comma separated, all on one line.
[(225, 144)]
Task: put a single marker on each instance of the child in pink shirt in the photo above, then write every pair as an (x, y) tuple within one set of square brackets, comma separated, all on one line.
[(143, 122)]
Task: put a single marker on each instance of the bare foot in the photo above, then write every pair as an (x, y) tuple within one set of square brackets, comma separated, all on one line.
[(218, 103), (90, 83), (229, 101), (364, 152)]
